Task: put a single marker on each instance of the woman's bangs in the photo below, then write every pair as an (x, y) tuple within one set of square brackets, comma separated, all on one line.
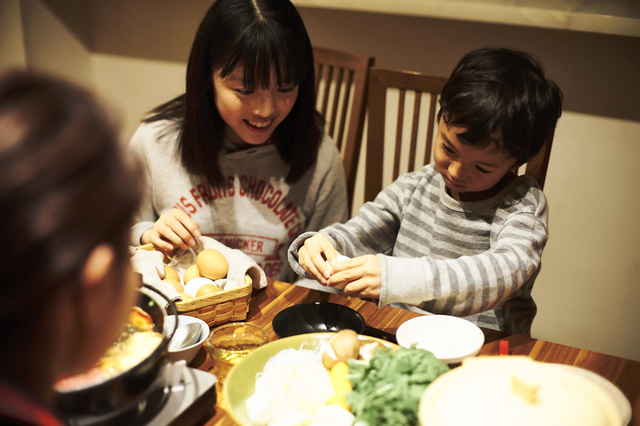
[(259, 57)]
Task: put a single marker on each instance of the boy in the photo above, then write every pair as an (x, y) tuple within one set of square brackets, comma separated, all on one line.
[(464, 235)]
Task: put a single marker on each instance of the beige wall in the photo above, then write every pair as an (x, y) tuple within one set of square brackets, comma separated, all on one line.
[(588, 292), (12, 53), (134, 86), (31, 36)]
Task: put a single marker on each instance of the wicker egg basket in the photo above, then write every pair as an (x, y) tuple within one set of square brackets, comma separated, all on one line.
[(217, 308)]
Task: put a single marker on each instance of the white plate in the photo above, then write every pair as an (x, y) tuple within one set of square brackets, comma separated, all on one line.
[(451, 339)]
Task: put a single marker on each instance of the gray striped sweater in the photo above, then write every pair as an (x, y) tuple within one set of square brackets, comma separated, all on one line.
[(477, 260)]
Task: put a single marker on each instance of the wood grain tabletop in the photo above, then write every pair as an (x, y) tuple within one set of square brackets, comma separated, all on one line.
[(266, 303)]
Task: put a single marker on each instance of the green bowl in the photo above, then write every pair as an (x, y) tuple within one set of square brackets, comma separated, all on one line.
[(240, 383)]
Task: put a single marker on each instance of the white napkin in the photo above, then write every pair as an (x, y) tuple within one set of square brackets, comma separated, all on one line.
[(150, 264)]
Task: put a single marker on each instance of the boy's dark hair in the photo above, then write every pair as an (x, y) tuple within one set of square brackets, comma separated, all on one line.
[(65, 187), (256, 35), (502, 95)]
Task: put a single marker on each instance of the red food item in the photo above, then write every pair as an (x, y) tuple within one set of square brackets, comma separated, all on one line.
[(504, 347)]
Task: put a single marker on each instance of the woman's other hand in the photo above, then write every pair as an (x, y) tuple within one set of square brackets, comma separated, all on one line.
[(173, 229)]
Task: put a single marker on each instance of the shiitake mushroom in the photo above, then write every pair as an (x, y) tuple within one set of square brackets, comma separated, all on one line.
[(340, 347)]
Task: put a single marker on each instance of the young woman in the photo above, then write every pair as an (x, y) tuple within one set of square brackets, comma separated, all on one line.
[(241, 156), (67, 200)]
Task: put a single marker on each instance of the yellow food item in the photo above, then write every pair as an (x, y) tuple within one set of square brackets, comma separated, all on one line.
[(176, 284), (140, 319), (185, 296), (124, 355), (212, 264), (191, 273), (207, 289), (170, 273), (340, 383)]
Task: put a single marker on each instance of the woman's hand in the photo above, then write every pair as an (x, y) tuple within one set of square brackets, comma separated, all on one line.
[(173, 229), (313, 256), (358, 277)]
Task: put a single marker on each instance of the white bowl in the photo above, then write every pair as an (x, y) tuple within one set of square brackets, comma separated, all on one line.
[(189, 352), (451, 339)]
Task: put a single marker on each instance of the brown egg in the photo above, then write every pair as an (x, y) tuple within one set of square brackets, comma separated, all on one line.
[(185, 296), (170, 273), (190, 273), (212, 264), (208, 289), (176, 284)]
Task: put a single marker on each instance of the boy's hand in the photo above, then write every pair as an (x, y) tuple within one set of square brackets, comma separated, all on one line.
[(173, 229), (313, 257), (358, 277)]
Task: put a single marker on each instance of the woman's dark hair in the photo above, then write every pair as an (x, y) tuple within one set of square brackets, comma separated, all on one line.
[(257, 35), (502, 95), (65, 187)]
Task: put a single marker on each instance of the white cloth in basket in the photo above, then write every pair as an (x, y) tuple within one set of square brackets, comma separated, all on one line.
[(150, 264)]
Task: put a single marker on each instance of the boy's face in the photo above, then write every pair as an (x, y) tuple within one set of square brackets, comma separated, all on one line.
[(468, 171)]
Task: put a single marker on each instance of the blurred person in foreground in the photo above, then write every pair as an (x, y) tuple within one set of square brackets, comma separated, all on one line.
[(67, 199)]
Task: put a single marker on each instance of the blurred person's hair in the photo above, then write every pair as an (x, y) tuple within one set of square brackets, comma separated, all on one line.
[(65, 187)]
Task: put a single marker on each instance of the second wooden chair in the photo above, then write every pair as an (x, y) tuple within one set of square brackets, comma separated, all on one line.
[(341, 87)]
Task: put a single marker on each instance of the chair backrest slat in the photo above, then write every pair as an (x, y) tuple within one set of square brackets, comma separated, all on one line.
[(430, 127), (344, 107), (398, 147), (414, 133), (538, 165)]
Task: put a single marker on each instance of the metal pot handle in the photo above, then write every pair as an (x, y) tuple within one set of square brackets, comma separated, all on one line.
[(169, 302)]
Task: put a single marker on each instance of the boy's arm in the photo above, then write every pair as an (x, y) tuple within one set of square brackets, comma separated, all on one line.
[(372, 231), (469, 284)]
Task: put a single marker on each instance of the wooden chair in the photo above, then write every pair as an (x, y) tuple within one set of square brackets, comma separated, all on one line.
[(390, 95), (341, 87)]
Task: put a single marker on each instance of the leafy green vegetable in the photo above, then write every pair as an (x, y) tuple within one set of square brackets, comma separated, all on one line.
[(387, 389)]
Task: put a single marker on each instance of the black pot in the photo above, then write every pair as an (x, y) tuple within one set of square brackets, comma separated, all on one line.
[(126, 388)]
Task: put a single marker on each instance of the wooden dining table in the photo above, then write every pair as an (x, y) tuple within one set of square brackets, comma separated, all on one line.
[(267, 302)]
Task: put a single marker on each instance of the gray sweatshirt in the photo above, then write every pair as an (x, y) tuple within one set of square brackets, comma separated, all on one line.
[(258, 213), (471, 259)]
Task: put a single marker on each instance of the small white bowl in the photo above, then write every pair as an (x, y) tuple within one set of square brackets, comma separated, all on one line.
[(450, 339), (189, 352)]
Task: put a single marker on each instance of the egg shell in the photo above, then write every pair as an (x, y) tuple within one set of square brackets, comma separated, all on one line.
[(212, 264), (191, 273), (194, 285), (176, 284), (170, 273), (207, 289)]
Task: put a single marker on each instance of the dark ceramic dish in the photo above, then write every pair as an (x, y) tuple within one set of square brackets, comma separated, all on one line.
[(318, 317)]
